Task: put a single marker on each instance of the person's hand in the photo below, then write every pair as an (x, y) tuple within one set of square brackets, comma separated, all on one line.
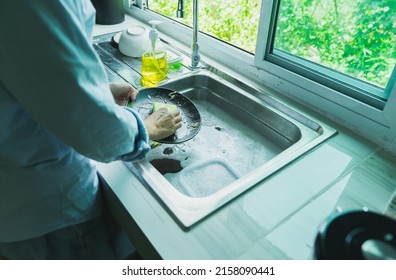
[(162, 123), (123, 92)]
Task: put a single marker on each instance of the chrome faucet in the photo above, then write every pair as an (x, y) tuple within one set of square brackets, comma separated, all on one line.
[(195, 57)]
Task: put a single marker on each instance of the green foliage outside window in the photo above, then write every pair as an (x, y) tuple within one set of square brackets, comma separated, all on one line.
[(354, 37)]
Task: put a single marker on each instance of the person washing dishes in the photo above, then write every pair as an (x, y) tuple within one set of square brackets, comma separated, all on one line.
[(57, 112)]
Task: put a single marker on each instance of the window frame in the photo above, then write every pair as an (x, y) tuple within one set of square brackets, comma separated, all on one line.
[(375, 124), (361, 90)]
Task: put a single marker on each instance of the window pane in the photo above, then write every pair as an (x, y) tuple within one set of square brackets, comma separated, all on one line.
[(233, 21), (353, 37)]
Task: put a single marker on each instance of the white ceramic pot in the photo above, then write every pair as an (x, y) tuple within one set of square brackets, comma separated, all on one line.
[(133, 40)]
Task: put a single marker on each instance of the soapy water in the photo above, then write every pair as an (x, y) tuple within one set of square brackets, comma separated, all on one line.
[(221, 136), (208, 183)]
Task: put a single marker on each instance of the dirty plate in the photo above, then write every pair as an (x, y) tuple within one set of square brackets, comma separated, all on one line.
[(191, 119)]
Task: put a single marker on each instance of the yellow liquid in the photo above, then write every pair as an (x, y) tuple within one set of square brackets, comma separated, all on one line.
[(154, 68)]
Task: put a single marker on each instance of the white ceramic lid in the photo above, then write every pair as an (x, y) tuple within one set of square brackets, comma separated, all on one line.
[(136, 30)]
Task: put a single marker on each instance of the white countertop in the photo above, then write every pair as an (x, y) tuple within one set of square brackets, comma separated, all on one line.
[(279, 218)]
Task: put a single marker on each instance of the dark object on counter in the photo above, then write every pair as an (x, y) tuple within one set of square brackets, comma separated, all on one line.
[(115, 39), (191, 119), (109, 11), (356, 235)]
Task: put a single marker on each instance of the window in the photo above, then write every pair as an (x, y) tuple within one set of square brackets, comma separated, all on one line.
[(234, 22), (345, 45), (335, 56)]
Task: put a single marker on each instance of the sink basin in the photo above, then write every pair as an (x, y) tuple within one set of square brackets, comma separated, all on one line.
[(245, 137)]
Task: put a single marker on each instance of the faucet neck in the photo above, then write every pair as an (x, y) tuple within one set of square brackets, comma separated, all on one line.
[(195, 57)]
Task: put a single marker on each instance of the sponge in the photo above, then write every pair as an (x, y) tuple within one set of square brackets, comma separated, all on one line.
[(158, 105)]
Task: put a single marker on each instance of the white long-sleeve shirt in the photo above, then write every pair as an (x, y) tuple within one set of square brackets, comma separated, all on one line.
[(56, 113)]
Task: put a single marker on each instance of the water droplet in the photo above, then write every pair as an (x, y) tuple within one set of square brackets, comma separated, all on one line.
[(168, 151)]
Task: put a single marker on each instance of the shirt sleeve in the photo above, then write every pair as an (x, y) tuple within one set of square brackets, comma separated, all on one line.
[(52, 70)]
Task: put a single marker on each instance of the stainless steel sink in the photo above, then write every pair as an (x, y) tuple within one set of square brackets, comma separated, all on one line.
[(245, 137)]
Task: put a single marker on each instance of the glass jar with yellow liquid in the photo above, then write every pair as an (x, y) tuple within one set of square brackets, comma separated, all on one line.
[(154, 67), (154, 61)]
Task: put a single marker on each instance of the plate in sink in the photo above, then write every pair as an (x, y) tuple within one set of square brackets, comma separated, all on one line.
[(191, 119)]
